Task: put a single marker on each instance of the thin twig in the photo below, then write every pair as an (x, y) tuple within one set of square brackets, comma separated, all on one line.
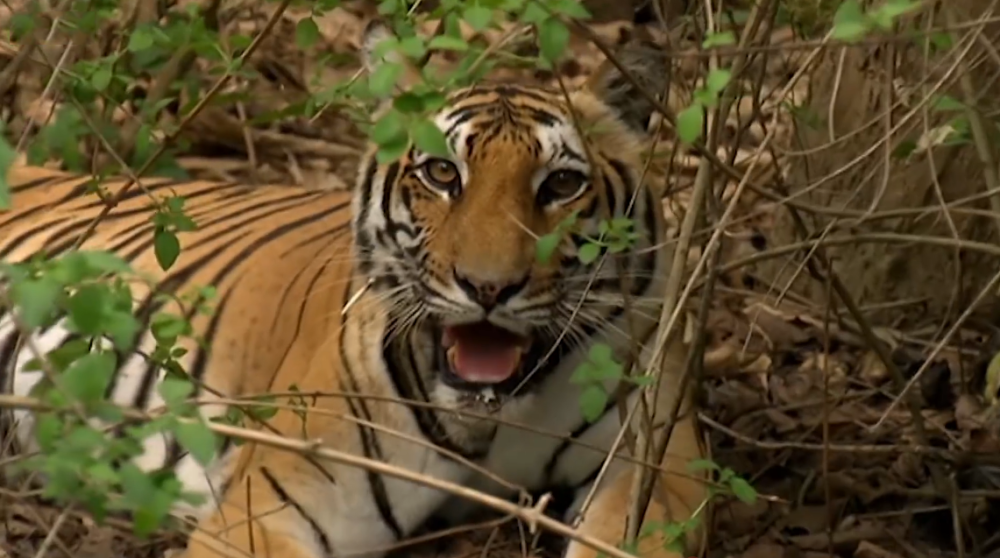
[(53, 533)]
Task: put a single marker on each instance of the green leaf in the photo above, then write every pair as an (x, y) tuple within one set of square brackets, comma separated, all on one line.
[(100, 261), (86, 308), (534, 13), (944, 103), (88, 377), (167, 327), (101, 78), (849, 23), (887, 13), (904, 149), (621, 225), (61, 357), (433, 100), (546, 246), (48, 431), (389, 129), (408, 103), (641, 381), (141, 39), (568, 221), (593, 400), (605, 367), (600, 353), (585, 373), (571, 8), (102, 473), (6, 160), (137, 486), (743, 490), (383, 80), (264, 407), (167, 247), (696, 465), (306, 33), (138, 491), (389, 152), (198, 439), (36, 299), (384, 47), (429, 138), (121, 327), (941, 40), (553, 37), (174, 390), (689, 123), (446, 42), (724, 38), (992, 384), (20, 25), (588, 253), (413, 47), (717, 80), (478, 17)]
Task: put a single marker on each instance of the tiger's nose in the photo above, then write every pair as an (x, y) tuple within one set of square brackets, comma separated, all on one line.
[(489, 293)]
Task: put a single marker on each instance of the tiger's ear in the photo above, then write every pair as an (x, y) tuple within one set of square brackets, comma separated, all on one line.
[(648, 66), (376, 33)]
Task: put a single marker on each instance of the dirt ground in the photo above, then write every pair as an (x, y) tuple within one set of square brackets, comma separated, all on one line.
[(792, 399)]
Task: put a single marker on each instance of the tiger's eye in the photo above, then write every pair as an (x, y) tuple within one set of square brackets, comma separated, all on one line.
[(561, 184), (441, 174)]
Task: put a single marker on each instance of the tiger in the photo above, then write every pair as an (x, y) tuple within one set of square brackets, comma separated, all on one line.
[(422, 283)]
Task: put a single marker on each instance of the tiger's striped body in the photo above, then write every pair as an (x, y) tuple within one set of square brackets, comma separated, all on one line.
[(426, 250)]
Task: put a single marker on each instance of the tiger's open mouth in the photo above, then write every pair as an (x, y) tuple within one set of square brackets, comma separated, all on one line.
[(482, 354)]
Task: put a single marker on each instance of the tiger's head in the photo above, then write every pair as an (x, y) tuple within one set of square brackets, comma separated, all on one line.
[(451, 242)]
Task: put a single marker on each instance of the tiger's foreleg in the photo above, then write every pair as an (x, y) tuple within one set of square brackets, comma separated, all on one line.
[(262, 516), (677, 494), (285, 504)]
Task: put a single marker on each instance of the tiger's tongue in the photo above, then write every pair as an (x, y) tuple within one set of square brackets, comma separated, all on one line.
[(483, 353)]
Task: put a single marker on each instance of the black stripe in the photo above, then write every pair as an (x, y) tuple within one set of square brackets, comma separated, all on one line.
[(287, 291), (286, 498), (30, 234), (126, 209), (391, 173), (7, 367), (151, 185), (543, 117), (407, 380), (369, 441), (18, 215), (45, 180), (504, 90), (310, 239), (362, 240), (366, 186)]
